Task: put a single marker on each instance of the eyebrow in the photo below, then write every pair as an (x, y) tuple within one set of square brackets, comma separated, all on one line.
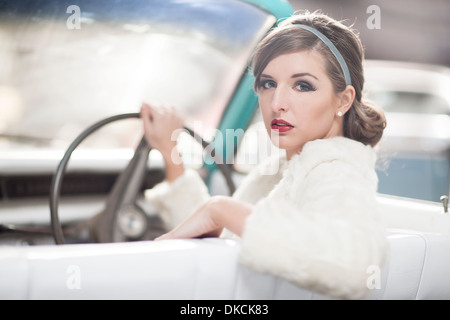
[(296, 75)]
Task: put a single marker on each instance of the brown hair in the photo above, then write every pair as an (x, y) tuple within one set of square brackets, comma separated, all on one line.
[(364, 121)]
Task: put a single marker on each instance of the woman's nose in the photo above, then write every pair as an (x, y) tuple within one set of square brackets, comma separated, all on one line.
[(280, 101)]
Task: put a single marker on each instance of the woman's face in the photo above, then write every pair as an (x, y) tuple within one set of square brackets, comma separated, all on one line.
[(298, 102)]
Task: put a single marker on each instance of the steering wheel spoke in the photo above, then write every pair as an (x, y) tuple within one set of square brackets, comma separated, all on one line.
[(121, 205)]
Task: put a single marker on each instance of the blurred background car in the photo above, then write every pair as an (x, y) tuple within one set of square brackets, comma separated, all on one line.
[(414, 155)]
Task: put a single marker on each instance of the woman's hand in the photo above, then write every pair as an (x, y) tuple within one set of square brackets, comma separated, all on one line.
[(209, 220), (161, 129)]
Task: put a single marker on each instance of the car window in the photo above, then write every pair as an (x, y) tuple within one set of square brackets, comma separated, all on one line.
[(67, 64), (411, 102)]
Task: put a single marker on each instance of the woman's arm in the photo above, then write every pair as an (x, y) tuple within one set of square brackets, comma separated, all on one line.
[(183, 190), (231, 214), (210, 219)]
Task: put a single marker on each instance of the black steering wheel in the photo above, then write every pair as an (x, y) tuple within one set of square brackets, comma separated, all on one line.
[(121, 201)]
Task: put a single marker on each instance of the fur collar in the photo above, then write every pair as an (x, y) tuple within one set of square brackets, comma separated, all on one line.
[(352, 152)]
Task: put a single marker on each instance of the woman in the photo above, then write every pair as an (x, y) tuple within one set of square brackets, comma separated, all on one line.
[(315, 222)]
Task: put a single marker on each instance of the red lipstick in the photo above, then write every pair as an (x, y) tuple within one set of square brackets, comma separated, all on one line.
[(281, 125)]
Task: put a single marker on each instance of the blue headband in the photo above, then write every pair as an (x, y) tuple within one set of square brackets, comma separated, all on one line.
[(333, 49)]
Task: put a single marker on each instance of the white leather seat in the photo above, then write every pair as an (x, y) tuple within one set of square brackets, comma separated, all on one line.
[(418, 267), (435, 280)]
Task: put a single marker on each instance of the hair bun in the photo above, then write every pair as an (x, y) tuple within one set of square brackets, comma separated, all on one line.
[(365, 122)]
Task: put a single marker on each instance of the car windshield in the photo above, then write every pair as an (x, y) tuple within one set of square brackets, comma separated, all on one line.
[(67, 64)]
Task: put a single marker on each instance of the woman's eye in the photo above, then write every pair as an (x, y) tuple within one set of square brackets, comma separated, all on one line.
[(267, 84), (304, 86)]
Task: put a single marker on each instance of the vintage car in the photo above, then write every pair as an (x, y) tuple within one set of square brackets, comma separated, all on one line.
[(71, 177), (414, 156)]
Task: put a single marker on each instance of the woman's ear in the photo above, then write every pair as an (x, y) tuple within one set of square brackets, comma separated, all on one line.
[(346, 99)]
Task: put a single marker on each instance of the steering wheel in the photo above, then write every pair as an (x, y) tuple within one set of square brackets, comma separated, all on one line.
[(121, 202)]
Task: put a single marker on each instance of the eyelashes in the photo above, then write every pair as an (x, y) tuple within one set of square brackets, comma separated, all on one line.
[(301, 85), (266, 84), (304, 86)]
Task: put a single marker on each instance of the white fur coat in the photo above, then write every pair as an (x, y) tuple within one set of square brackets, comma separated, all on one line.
[(315, 222)]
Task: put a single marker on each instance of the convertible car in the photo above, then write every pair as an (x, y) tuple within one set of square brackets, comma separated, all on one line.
[(74, 223)]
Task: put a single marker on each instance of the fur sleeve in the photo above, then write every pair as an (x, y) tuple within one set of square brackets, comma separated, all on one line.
[(177, 199), (319, 230)]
